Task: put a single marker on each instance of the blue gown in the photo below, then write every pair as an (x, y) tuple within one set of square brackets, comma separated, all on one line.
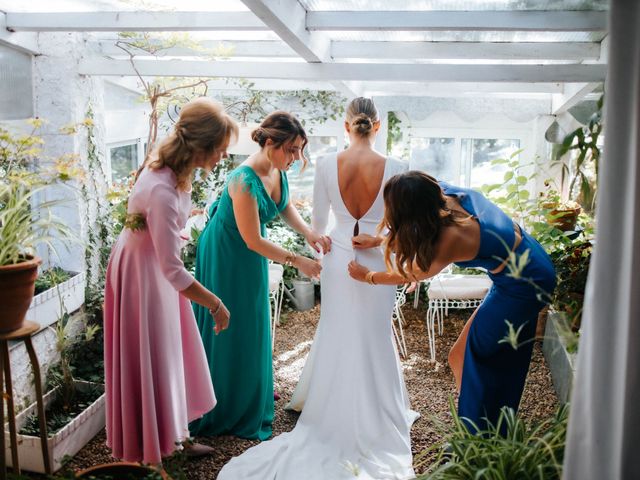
[(494, 373)]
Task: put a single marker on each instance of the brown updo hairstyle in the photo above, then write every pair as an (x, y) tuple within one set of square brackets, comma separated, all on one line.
[(203, 126), (361, 115), (281, 128), (415, 213)]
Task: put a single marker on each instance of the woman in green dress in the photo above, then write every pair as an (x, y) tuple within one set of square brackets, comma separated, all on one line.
[(231, 259)]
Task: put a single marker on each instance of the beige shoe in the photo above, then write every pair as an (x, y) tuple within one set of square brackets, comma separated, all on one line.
[(197, 449)]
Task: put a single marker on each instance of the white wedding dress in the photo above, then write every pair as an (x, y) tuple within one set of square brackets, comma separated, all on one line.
[(355, 418)]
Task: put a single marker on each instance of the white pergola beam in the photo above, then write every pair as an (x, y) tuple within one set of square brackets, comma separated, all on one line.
[(577, 51), (466, 50), (459, 88), (25, 42), (574, 93), (132, 21), (516, 20), (286, 18), (350, 72), (237, 48), (387, 88)]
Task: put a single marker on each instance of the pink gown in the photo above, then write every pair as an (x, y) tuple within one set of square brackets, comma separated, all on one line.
[(156, 372)]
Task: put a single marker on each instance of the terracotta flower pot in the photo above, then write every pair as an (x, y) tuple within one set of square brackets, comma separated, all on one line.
[(566, 218), (120, 470), (17, 285)]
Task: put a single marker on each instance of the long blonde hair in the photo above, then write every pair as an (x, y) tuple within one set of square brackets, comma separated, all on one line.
[(203, 126)]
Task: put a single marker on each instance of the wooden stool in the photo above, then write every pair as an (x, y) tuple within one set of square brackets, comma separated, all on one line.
[(24, 333)]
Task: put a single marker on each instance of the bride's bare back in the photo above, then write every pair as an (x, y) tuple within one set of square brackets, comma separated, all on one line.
[(360, 174)]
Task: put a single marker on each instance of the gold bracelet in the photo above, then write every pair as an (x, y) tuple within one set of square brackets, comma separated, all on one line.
[(289, 259), (369, 277)]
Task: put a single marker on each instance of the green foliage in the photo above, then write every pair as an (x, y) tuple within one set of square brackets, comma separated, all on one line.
[(59, 415), (535, 213), (25, 221), (581, 167), (572, 268), (394, 132), (456, 270), (102, 229), (525, 452), (50, 278), (398, 144)]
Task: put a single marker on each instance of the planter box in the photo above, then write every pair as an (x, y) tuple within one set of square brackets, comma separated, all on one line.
[(46, 309), (560, 362), (67, 441)]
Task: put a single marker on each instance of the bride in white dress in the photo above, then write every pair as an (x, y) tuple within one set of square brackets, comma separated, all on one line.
[(355, 418)]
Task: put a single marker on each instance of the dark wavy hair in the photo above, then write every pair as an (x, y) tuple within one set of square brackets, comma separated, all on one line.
[(281, 127), (415, 214)]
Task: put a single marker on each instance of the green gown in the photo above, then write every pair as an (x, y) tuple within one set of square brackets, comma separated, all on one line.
[(240, 359)]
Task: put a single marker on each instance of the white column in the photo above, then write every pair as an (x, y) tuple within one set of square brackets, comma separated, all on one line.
[(62, 97)]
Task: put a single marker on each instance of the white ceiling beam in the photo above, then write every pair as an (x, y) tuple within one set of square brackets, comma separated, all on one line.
[(572, 94), (460, 88), (132, 21), (466, 50), (577, 51), (235, 48), (515, 20), (350, 72), (287, 19), (25, 42)]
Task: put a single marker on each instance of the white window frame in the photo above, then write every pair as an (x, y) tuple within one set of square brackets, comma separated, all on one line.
[(521, 134), (139, 142)]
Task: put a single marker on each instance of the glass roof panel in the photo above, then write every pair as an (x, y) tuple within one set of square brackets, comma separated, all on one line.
[(468, 36), (121, 5), (476, 5)]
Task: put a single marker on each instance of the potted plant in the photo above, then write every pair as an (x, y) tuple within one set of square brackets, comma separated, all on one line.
[(563, 215), (24, 222)]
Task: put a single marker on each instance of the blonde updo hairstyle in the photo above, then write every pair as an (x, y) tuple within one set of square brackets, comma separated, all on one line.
[(361, 115), (281, 128), (203, 126)]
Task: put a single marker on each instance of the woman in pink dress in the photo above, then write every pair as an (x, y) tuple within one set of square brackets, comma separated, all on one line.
[(156, 372)]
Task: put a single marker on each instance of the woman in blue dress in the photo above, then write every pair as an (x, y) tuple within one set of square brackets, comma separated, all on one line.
[(432, 224)]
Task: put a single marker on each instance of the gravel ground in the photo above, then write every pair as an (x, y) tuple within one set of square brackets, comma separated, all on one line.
[(430, 385)]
